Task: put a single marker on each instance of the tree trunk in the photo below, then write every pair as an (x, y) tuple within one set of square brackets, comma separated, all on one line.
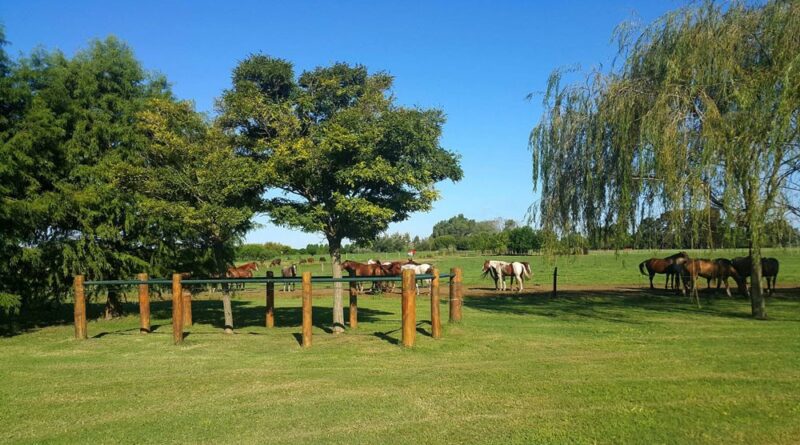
[(226, 309), (336, 268), (113, 307), (757, 301)]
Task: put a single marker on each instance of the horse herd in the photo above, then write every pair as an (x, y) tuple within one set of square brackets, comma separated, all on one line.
[(372, 268), (377, 268), (682, 271)]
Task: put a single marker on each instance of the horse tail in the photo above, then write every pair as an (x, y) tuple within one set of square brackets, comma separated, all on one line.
[(641, 267), (526, 270)]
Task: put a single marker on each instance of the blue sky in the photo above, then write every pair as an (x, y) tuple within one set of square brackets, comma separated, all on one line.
[(475, 60)]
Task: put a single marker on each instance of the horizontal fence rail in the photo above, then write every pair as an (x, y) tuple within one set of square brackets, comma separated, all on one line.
[(258, 280)]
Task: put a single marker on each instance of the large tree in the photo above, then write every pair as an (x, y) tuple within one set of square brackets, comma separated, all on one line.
[(348, 159), (104, 173), (702, 115)]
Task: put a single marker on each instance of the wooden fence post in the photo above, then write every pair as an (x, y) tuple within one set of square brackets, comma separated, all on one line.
[(409, 308), (436, 322), (144, 304), (456, 294), (270, 301), (187, 307), (555, 281), (353, 305), (81, 332), (177, 309), (307, 309)]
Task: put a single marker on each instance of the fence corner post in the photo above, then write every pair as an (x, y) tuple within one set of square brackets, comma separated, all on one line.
[(456, 294), (177, 309), (307, 309), (81, 331), (144, 304), (270, 321), (436, 321), (409, 308)]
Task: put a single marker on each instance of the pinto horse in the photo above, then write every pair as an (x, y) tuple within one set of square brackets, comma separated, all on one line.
[(662, 265), (769, 270), (243, 271), (517, 271), (418, 269), (493, 269)]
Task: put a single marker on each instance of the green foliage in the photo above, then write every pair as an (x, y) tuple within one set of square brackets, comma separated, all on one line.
[(523, 239), (459, 226), (103, 173), (396, 242), (348, 158)]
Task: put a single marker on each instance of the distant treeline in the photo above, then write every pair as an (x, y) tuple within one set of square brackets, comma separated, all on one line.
[(504, 236)]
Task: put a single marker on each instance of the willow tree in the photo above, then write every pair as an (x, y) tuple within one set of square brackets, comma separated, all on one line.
[(701, 117), (348, 160)]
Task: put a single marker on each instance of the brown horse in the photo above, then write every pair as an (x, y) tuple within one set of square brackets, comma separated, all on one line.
[(662, 265), (275, 262), (243, 271), (310, 260), (356, 269), (769, 270), (720, 270), (289, 272)]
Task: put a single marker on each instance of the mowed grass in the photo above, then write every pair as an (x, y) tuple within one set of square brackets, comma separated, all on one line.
[(586, 367)]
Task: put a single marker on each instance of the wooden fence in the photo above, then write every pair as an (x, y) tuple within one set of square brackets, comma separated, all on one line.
[(182, 302)]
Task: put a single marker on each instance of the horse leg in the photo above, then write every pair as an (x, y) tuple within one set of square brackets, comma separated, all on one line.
[(652, 274), (519, 281)]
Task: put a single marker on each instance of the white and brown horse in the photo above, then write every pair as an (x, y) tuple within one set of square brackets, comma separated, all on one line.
[(419, 269), (518, 271)]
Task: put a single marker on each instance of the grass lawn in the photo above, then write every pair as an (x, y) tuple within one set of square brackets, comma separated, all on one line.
[(586, 367)]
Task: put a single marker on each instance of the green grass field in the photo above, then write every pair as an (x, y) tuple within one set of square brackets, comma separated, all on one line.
[(591, 366)]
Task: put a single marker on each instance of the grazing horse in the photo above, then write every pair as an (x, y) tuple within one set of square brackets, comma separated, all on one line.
[(769, 271), (303, 261), (418, 269), (662, 265), (310, 260), (275, 262), (493, 269), (517, 271), (289, 272), (322, 259), (243, 271), (720, 270), (363, 270)]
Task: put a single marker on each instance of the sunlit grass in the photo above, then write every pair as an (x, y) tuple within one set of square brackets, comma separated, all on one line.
[(603, 367)]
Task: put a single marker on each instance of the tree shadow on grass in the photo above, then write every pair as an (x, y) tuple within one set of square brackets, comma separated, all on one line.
[(618, 306)]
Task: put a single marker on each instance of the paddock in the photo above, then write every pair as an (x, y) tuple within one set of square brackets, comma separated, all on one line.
[(181, 319)]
